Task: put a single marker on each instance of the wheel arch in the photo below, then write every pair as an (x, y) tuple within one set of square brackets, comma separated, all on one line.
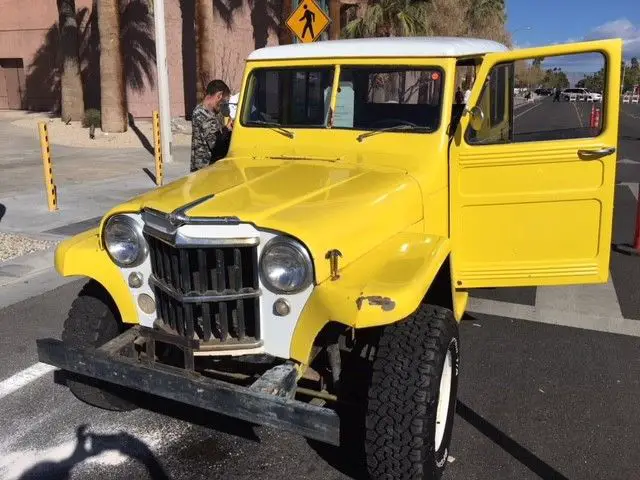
[(443, 292), (381, 288), (83, 256)]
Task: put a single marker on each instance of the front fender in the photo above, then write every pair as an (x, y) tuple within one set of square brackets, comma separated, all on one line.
[(382, 287), (82, 255)]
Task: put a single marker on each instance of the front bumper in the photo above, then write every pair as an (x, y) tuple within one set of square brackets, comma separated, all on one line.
[(114, 363)]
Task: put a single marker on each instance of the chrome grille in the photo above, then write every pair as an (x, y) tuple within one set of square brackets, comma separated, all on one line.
[(208, 293)]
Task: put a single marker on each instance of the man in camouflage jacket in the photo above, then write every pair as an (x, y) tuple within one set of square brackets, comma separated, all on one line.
[(210, 138)]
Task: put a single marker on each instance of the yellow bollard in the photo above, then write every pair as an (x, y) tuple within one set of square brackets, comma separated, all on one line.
[(157, 148), (50, 187)]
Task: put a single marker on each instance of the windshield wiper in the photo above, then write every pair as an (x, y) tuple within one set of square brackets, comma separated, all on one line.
[(274, 126), (362, 136)]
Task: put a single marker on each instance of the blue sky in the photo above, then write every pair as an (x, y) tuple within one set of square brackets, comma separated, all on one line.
[(561, 21)]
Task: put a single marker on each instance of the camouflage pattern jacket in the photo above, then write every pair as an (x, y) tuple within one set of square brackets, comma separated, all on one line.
[(210, 138)]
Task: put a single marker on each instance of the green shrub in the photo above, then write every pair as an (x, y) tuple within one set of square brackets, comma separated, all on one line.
[(91, 117)]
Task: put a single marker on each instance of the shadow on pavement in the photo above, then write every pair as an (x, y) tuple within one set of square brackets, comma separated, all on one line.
[(349, 457), (624, 215), (92, 444), (508, 444), (150, 174), (3, 210), (628, 173), (629, 137), (170, 408), (141, 136)]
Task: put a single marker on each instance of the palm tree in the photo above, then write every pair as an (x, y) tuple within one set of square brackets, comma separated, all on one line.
[(335, 9), (71, 94), (482, 9), (113, 96), (204, 45), (284, 35), (487, 18), (390, 18)]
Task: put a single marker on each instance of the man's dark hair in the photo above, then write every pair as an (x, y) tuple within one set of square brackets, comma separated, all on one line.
[(216, 86)]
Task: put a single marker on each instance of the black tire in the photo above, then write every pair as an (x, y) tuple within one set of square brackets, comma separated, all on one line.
[(403, 397), (92, 321)]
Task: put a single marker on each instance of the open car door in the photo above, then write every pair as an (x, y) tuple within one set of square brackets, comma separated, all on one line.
[(532, 185)]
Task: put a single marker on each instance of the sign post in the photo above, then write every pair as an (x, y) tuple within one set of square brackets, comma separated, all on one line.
[(163, 78), (308, 21)]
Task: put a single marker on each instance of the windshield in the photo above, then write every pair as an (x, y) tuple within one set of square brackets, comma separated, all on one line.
[(289, 97), (371, 98), (368, 98)]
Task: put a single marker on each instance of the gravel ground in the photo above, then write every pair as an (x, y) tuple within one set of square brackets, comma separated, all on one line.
[(74, 135), (12, 245)]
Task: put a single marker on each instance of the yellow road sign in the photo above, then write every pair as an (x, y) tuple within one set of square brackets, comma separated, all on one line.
[(308, 21)]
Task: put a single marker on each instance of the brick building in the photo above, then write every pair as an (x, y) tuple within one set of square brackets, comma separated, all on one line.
[(29, 75), (29, 38)]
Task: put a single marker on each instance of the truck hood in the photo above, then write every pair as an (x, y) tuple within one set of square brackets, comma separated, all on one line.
[(326, 205)]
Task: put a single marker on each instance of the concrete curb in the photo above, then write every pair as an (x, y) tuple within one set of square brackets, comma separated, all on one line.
[(32, 286), (18, 269), (28, 276)]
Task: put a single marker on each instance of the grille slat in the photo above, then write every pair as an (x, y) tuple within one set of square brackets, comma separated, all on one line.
[(175, 268), (221, 284), (188, 318), (240, 318), (224, 321), (182, 275), (180, 319), (159, 258), (206, 321), (172, 316), (166, 264), (184, 270), (202, 269)]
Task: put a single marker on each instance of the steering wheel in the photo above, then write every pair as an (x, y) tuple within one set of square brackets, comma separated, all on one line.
[(392, 122)]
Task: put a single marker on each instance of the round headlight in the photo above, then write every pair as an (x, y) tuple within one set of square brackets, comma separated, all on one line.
[(285, 266), (124, 241)]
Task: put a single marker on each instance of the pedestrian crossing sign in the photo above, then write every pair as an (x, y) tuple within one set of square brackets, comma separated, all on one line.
[(308, 21)]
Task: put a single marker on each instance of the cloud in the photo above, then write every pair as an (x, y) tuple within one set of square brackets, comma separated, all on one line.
[(517, 45), (621, 28), (579, 65)]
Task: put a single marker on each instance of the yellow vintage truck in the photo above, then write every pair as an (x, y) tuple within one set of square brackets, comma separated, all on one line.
[(313, 279)]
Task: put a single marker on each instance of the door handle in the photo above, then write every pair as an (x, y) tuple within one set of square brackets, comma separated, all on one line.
[(596, 153)]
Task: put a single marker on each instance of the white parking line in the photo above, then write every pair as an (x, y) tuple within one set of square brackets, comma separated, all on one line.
[(24, 378), (635, 117), (621, 326), (578, 115), (527, 111)]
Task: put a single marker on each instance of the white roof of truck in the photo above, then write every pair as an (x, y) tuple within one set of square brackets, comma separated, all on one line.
[(381, 47)]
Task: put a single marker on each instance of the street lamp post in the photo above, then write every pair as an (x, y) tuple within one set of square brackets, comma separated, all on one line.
[(518, 29), (521, 28), (162, 74)]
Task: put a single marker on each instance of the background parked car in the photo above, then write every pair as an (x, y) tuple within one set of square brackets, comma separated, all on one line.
[(581, 94), (543, 91)]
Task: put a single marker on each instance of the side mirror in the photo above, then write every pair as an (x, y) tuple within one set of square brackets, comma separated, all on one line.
[(477, 117)]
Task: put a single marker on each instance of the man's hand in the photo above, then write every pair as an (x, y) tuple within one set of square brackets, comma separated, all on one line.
[(230, 124)]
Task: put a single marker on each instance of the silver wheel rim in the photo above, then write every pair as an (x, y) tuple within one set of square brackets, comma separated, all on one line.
[(442, 412)]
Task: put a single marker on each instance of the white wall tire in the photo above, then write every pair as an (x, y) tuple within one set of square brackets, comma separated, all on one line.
[(412, 397)]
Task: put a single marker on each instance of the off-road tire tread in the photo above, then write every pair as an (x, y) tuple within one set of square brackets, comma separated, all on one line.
[(403, 395), (92, 322)]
